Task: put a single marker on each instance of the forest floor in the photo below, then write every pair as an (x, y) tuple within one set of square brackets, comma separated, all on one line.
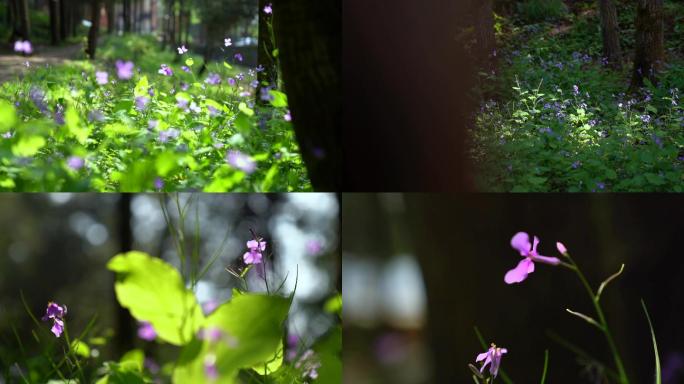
[(12, 64), (555, 118)]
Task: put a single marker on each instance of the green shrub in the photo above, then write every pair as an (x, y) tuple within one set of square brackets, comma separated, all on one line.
[(542, 10)]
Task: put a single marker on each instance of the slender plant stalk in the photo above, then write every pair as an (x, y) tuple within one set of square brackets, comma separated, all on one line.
[(546, 366), (622, 375)]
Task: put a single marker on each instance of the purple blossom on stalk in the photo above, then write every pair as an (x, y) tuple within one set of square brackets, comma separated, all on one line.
[(254, 256), (575, 90), (55, 312), (146, 331), (492, 356), (210, 370), (265, 95), (309, 364), (209, 306), (213, 79), (292, 344), (287, 116), (182, 50), (23, 47), (241, 161), (75, 162), (158, 183), (238, 57), (124, 69), (141, 102), (185, 68), (576, 164), (268, 9), (313, 247), (521, 242), (254, 83), (240, 76), (101, 77), (260, 68), (165, 70), (168, 134)]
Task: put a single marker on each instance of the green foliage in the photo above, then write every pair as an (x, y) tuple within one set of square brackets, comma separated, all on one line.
[(542, 10), (179, 140), (154, 292)]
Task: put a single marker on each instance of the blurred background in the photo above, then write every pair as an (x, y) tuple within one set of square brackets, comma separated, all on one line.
[(421, 270), (55, 247)]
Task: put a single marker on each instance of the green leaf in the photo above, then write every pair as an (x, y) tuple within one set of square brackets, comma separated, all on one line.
[(279, 98), (189, 61), (608, 280), (243, 123), (271, 365), (74, 125), (28, 146), (655, 344), (225, 64), (133, 360), (334, 304), (80, 348), (141, 87), (245, 109), (166, 162), (154, 291), (329, 352), (8, 116), (253, 321)]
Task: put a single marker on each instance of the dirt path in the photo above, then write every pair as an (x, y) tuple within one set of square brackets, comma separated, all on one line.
[(12, 64)]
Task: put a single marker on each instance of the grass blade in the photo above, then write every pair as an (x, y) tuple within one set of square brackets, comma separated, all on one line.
[(546, 366), (655, 345)]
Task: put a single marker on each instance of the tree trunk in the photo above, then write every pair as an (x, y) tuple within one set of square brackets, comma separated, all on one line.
[(610, 32), (127, 15), (484, 34), (308, 36), (53, 8), (269, 76), (64, 24), (649, 51), (24, 22), (94, 29), (124, 321), (111, 20)]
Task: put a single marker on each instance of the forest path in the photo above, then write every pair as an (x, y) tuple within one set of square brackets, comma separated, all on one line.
[(12, 64)]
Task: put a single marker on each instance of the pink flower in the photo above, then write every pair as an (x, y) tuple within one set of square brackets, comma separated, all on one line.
[(101, 77), (23, 46), (146, 331), (268, 9), (493, 356), (55, 312), (521, 242), (561, 248), (124, 69), (254, 256), (165, 70), (182, 50)]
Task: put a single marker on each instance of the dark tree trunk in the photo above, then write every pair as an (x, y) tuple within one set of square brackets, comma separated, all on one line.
[(94, 29), (64, 23), (308, 36), (127, 15), (111, 20), (484, 34), (610, 32), (53, 8), (649, 51), (269, 76), (24, 22), (124, 337)]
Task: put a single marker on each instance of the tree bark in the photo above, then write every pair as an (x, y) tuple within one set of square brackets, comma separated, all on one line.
[(53, 8), (610, 32), (127, 15), (484, 34), (24, 22), (111, 20), (649, 52), (94, 29), (269, 76), (308, 36), (63, 25), (124, 321)]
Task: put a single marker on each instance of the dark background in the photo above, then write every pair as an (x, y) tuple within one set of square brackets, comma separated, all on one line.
[(56, 246), (462, 244)]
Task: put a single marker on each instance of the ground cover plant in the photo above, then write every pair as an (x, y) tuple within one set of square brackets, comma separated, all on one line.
[(490, 360), (557, 114), (245, 339), (141, 118)]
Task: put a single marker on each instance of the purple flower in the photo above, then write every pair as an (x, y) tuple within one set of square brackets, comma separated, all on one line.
[(55, 312), (287, 116), (292, 344), (238, 57), (313, 247), (182, 50), (227, 42), (158, 183), (493, 356), (254, 256), (152, 124), (213, 79), (171, 133), (96, 115), (124, 69), (7, 135), (265, 94), (212, 110), (260, 68), (212, 334), (23, 46), (646, 118), (240, 76), (601, 185), (75, 162), (182, 103), (254, 83), (210, 370), (576, 164), (268, 9), (101, 77), (185, 68), (151, 365), (561, 248), (231, 82), (241, 161), (146, 331), (165, 70), (575, 90), (521, 242), (209, 306), (141, 102)]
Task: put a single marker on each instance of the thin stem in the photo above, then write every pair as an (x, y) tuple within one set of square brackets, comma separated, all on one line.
[(602, 320)]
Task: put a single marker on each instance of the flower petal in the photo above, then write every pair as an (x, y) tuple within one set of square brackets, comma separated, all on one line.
[(481, 357), (534, 245), (520, 272), (546, 259), (521, 242), (561, 248)]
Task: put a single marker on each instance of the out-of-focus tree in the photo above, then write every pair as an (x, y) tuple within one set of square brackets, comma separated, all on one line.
[(649, 51), (610, 32)]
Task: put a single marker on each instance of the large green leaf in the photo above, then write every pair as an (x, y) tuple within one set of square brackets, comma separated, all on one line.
[(8, 117), (254, 322), (75, 126), (28, 146), (329, 352), (154, 291)]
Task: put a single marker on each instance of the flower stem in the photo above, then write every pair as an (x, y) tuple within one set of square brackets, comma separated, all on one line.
[(602, 321)]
